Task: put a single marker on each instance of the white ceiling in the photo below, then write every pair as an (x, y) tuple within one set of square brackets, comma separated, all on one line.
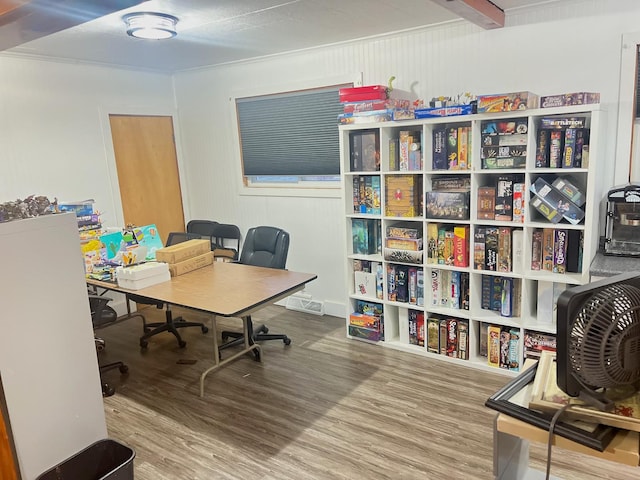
[(219, 31)]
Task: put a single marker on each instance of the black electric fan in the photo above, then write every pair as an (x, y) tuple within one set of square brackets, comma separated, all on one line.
[(598, 344)]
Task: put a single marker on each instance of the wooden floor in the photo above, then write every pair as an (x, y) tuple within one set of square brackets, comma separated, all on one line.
[(323, 408)]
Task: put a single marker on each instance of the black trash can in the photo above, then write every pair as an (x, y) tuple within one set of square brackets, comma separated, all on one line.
[(104, 460)]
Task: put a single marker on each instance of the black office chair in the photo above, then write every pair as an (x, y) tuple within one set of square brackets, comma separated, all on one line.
[(204, 228), (227, 238), (263, 247), (103, 315), (170, 324)]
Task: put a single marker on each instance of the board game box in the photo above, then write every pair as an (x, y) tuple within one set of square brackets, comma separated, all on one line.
[(578, 98), (402, 195), (506, 102), (448, 205)]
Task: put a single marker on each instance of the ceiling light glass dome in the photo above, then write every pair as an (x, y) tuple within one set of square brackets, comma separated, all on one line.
[(150, 25)]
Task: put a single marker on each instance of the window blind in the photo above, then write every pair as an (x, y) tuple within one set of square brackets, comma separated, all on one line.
[(290, 134)]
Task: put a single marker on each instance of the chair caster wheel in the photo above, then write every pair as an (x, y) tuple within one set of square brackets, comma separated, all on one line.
[(107, 390), (225, 337), (143, 344), (265, 329), (123, 369), (287, 341), (204, 329), (182, 344), (256, 355)]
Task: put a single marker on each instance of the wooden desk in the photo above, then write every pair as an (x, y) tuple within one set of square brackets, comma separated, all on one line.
[(511, 439), (226, 289)]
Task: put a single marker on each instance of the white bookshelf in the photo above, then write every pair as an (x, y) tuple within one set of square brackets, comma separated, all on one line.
[(591, 178)]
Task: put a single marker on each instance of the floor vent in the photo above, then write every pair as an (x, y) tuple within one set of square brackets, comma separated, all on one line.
[(303, 302)]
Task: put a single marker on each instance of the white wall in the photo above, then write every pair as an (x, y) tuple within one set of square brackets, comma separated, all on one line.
[(55, 142), (54, 130)]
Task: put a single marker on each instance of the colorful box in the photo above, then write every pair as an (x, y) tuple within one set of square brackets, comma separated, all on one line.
[(507, 102), (567, 186), (439, 159), (563, 99), (364, 93), (503, 162), (486, 203), (437, 112), (448, 205), (364, 147), (403, 194), (403, 256), (493, 345), (557, 205), (403, 231), (413, 244), (364, 333), (358, 319)]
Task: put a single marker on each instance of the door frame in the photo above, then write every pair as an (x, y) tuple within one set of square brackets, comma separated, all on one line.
[(110, 156), (626, 145)]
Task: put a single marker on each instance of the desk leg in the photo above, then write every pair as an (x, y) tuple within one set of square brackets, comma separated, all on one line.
[(510, 456), (248, 346)]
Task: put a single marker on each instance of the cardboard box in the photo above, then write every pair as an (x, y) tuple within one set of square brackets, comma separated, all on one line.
[(183, 251), (191, 264), (507, 102)]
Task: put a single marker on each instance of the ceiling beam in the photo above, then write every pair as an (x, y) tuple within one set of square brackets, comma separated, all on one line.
[(481, 12), (23, 21)]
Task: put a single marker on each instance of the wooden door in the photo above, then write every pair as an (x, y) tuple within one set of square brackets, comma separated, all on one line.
[(148, 175), (8, 461)]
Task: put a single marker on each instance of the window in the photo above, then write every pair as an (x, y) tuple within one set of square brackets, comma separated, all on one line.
[(291, 139)]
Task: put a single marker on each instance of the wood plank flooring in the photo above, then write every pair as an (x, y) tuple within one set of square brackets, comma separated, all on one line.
[(323, 408)]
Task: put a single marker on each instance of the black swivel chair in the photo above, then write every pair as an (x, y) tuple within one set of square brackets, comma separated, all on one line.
[(262, 247), (103, 315), (170, 324)]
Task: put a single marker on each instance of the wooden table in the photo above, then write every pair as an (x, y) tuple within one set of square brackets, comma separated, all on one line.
[(511, 439), (226, 289)]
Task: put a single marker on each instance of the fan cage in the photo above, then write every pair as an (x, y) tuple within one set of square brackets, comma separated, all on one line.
[(604, 338)]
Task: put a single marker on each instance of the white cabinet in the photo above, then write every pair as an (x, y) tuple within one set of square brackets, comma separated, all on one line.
[(48, 361), (532, 290)]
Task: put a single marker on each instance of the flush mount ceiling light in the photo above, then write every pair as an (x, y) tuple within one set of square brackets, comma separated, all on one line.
[(150, 25)]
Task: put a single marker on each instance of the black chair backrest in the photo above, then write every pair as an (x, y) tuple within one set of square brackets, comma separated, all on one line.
[(101, 313), (179, 237), (222, 233), (265, 247), (204, 228), (201, 227)]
